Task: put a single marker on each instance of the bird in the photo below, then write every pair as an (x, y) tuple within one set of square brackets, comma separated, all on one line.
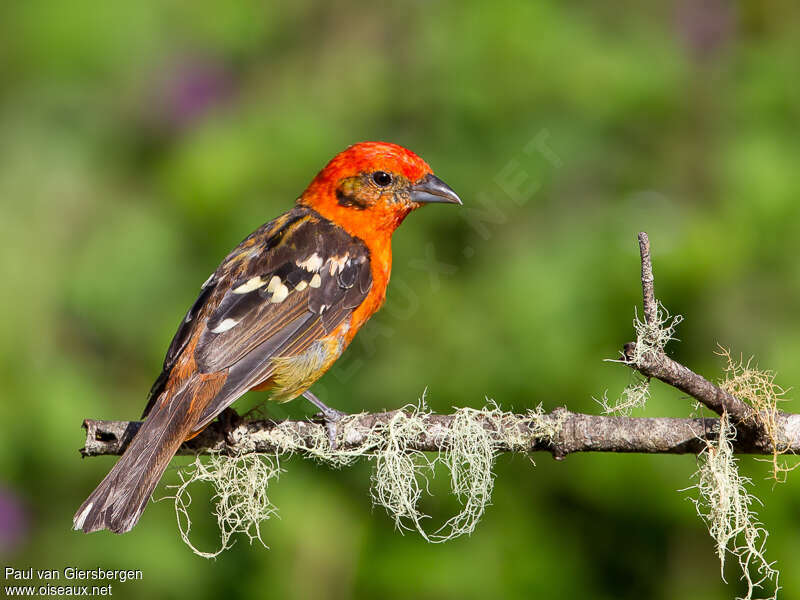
[(275, 315)]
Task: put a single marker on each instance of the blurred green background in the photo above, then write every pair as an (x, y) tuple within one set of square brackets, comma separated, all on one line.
[(140, 141)]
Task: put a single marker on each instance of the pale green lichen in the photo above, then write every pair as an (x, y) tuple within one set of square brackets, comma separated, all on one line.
[(757, 387), (241, 502), (518, 432), (651, 338), (469, 457), (725, 504), (635, 395), (402, 473)]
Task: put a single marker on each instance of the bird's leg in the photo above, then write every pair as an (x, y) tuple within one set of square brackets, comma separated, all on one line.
[(330, 415), (230, 420)]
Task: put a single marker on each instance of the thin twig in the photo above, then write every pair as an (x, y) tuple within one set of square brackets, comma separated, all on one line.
[(659, 365), (671, 372), (648, 293)]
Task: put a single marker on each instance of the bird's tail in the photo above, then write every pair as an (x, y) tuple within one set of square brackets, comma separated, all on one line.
[(118, 502)]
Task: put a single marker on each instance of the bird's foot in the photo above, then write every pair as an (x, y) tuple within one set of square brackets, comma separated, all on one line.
[(330, 417), (331, 421), (230, 420)]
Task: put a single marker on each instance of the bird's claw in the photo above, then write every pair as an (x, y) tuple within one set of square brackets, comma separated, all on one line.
[(331, 418), (230, 421)]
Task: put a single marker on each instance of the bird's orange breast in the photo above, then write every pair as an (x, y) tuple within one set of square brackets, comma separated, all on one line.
[(381, 268)]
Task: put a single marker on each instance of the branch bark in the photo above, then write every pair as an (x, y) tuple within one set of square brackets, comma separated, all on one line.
[(648, 281), (576, 432)]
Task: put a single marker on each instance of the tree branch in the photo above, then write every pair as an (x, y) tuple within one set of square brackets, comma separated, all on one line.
[(570, 432), (577, 432)]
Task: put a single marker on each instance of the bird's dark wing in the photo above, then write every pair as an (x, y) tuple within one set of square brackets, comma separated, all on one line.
[(179, 342), (289, 284)]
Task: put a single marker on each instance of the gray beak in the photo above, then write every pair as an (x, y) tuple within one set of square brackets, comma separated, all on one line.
[(432, 189)]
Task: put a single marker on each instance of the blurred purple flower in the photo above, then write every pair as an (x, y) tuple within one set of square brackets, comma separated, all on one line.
[(191, 88), (705, 26), (13, 521)]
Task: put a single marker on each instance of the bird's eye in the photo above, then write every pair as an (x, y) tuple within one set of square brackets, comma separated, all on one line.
[(382, 178)]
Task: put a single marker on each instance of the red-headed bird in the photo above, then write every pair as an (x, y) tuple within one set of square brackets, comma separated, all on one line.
[(276, 314)]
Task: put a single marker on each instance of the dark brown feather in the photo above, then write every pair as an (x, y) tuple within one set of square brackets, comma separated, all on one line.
[(117, 503)]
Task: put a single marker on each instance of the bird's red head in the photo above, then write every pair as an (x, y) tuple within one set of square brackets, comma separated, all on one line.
[(370, 187)]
